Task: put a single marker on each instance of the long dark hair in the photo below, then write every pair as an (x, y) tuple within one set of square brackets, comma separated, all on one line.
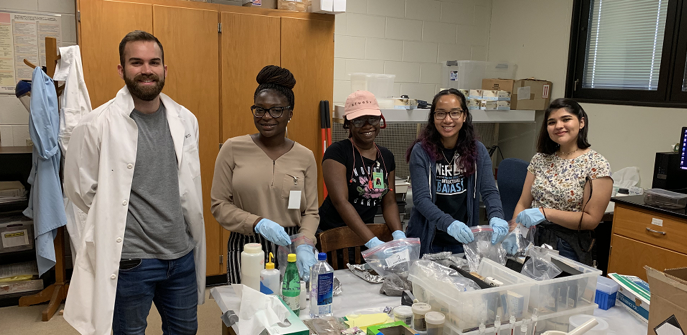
[(545, 144), (430, 138)]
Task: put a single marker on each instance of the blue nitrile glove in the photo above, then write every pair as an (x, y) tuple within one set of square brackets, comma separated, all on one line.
[(510, 244), (500, 227), (373, 242), (273, 232), (305, 259), (397, 235), (460, 232), (530, 217)]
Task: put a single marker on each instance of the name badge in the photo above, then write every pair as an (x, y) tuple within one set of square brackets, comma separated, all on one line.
[(295, 199)]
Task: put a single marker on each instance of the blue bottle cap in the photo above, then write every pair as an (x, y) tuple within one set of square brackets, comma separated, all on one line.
[(322, 256)]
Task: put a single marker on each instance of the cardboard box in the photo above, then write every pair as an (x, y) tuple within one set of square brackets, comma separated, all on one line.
[(633, 295), (20, 286), (395, 328), (16, 234), (490, 95), (498, 84), (294, 5), (531, 94), (473, 104), (475, 94), (668, 297), (271, 4)]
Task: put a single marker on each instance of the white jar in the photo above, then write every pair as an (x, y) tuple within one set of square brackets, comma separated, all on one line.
[(252, 262)]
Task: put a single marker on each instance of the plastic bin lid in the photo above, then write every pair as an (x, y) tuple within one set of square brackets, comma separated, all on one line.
[(606, 285)]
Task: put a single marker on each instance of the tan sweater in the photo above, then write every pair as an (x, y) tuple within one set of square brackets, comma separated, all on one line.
[(248, 185)]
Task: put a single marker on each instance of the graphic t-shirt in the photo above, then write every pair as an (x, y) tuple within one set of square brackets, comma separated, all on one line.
[(451, 195), (368, 182)]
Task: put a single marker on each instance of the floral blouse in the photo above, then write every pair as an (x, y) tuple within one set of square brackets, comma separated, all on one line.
[(559, 183)]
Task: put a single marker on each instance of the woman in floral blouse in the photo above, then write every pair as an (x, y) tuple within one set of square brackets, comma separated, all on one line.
[(568, 184)]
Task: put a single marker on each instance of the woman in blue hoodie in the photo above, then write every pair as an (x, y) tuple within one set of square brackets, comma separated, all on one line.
[(448, 168)]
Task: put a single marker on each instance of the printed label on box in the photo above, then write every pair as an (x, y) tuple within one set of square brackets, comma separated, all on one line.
[(545, 93), (401, 257), (16, 238), (524, 93)]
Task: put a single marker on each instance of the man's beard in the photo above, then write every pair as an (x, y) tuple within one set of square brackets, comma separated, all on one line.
[(145, 93)]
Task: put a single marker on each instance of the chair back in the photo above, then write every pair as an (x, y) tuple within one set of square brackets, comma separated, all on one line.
[(341, 239), (511, 177)]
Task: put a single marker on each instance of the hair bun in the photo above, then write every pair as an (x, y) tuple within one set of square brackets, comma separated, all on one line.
[(272, 74)]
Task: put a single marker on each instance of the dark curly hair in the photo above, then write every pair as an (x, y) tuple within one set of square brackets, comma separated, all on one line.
[(545, 144), (273, 77), (430, 138)]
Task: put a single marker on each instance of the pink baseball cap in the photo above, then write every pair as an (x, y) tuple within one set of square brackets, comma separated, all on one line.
[(361, 103)]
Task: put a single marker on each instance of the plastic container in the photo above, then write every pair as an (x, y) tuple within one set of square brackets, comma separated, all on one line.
[(468, 74), (435, 323), (419, 311), (403, 313), (269, 278), (579, 319), (468, 309), (564, 293), (252, 263), (665, 199), (321, 287), (606, 292), (291, 286), (531, 325), (303, 298), (381, 85)]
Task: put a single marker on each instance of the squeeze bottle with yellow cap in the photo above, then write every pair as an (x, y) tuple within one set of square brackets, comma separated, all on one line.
[(269, 278), (291, 286)]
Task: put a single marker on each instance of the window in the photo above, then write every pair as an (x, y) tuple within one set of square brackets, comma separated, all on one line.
[(628, 52)]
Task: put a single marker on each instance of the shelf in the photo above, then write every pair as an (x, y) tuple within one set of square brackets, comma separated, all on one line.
[(420, 115), (16, 150)]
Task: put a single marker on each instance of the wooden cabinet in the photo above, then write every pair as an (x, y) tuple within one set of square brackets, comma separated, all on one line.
[(213, 73), (633, 246)]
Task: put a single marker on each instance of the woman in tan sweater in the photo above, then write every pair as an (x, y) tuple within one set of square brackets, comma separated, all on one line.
[(265, 185)]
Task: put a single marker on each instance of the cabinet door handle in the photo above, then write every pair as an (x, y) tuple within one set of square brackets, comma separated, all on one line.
[(655, 231)]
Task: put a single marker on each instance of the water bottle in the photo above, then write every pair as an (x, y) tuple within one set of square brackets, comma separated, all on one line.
[(321, 287), (291, 286)]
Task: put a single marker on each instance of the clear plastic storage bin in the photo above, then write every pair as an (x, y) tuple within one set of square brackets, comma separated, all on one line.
[(665, 199), (465, 310), (565, 293), (468, 74), (381, 85), (530, 326)]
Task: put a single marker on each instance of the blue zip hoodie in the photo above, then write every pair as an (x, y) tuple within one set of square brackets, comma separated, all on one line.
[(426, 217)]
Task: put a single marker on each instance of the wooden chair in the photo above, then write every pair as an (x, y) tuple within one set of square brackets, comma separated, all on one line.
[(343, 238)]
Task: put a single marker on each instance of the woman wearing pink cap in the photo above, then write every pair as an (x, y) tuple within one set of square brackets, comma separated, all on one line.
[(360, 174)]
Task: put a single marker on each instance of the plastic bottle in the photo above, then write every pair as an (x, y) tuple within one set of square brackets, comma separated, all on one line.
[(291, 286), (403, 313), (269, 278), (321, 287), (435, 323), (419, 311), (252, 262)]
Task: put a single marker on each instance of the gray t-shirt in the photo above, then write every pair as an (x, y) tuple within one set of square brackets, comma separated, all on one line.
[(155, 225)]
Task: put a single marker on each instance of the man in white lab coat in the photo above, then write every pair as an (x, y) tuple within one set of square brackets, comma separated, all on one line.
[(133, 167)]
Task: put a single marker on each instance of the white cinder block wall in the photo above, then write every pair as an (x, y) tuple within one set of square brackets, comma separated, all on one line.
[(408, 38), (14, 119)]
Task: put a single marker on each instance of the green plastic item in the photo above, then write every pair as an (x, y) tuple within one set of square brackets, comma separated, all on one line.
[(393, 328)]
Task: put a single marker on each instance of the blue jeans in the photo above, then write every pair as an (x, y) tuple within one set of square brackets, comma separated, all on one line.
[(171, 284), (565, 250), (455, 248)]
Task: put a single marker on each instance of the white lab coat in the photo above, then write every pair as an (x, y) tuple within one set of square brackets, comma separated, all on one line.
[(97, 177), (74, 104)]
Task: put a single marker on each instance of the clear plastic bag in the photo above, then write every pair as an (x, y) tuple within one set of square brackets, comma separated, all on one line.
[(539, 266), (284, 251), (395, 256), (434, 272), (394, 284), (518, 240), (447, 258), (481, 247)]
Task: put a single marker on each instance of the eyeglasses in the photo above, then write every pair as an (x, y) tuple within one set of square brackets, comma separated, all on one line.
[(360, 121), (454, 113), (275, 112)]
